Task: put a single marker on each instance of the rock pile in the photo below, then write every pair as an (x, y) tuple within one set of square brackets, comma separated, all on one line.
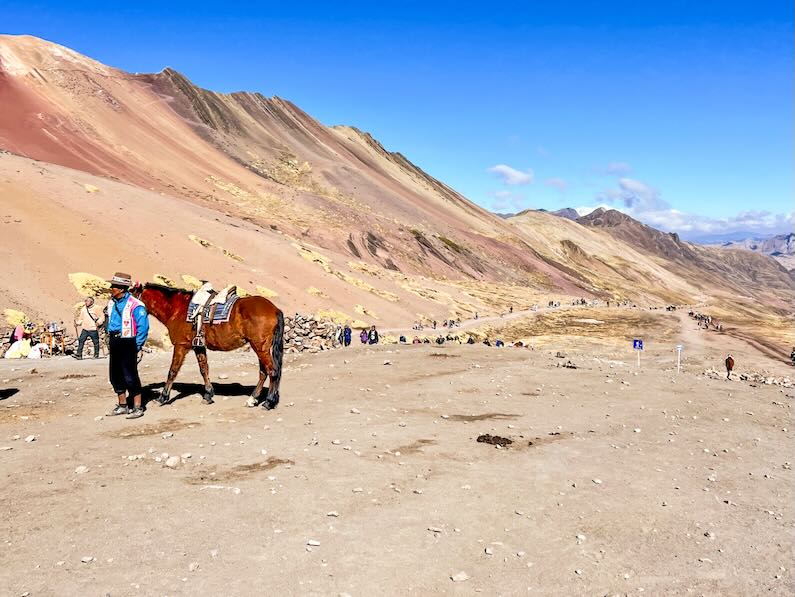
[(306, 333), (753, 377)]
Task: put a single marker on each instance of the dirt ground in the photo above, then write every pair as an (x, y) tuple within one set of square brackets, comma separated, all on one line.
[(368, 479)]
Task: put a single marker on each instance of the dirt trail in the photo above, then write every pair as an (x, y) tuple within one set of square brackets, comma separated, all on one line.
[(368, 479)]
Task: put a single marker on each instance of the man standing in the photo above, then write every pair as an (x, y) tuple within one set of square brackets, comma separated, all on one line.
[(372, 336), (89, 322), (729, 366), (346, 335), (128, 328)]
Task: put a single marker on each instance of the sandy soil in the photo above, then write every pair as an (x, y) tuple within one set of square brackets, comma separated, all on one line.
[(618, 480)]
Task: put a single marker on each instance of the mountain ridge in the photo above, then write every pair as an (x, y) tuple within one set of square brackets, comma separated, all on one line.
[(362, 229)]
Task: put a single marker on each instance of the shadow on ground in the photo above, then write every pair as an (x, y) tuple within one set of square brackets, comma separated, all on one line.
[(183, 390)]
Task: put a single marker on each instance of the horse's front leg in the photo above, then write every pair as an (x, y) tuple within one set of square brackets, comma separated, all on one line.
[(204, 367), (176, 364)]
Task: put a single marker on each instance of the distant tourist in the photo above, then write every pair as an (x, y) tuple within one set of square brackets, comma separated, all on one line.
[(363, 337), (499, 343), (19, 349), (440, 340), (88, 321), (17, 333), (416, 340), (346, 335), (729, 366), (402, 339), (372, 335)]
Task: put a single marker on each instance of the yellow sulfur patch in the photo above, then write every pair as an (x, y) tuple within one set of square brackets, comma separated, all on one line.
[(362, 310), (316, 292), (90, 188), (14, 317), (266, 292), (191, 282), (89, 284), (162, 279)]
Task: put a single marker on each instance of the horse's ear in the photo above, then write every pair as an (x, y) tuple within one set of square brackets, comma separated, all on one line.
[(136, 289)]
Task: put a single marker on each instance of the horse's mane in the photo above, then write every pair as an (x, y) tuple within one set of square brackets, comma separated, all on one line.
[(168, 290)]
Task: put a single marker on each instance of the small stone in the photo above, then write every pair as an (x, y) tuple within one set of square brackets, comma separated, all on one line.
[(418, 491), (578, 572), (81, 469), (489, 551), (167, 434), (435, 529), (355, 411), (223, 376), (597, 481), (313, 543), (460, 577), (99, 418), (87, 559), (580, 537), (357, 490), (387, 362), (30, 438), (333, 514), (186, 455), (172, 461), (193, 567), (636, 430)]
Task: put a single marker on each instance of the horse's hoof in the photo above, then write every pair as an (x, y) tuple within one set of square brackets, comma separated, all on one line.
[(251, 402), (209, 400), (269, 405)]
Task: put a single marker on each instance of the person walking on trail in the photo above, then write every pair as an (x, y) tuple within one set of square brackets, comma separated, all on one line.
[(346, 335), (729, 366), (128, 328), (363, 336), (89, 322), (372, 336)]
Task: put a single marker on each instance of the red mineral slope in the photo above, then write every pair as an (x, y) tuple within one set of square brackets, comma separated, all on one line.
[(260, 158)]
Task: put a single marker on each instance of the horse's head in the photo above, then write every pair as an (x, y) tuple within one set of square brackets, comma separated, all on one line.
[(136, 290)]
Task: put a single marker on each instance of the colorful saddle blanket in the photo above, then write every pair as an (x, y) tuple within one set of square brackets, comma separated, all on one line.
[(223, 311)]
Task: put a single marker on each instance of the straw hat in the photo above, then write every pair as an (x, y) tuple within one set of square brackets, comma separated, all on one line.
[(121, 279)]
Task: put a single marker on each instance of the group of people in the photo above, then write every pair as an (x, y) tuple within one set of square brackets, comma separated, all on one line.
[(345, 335), (705, 321)]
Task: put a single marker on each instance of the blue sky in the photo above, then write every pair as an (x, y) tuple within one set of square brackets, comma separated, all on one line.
[(680, 113)]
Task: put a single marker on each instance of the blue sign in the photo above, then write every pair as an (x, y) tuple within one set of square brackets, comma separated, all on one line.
[(637, 344)]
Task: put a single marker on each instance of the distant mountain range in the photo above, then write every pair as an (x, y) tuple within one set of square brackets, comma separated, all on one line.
[(781, 247)]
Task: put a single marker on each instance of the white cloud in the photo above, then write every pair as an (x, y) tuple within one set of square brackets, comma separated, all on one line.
[(586, 209), (618, 168), (505, 201), (512, 176), (558, 183), (643, 202), (634, 194)]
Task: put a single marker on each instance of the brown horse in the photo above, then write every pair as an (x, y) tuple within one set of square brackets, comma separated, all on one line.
[(253, 319)]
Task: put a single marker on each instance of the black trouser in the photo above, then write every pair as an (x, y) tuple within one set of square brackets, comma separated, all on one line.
[(124, 365), (94, 335)]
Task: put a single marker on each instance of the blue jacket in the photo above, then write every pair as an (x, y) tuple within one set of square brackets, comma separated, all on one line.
[(141, 320)]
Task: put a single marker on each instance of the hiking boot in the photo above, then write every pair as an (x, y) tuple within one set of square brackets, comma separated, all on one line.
[(136, 413), (120, 409), (77, 356)]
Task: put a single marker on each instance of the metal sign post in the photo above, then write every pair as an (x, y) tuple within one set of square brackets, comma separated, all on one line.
[(637, 344), (679, 348)]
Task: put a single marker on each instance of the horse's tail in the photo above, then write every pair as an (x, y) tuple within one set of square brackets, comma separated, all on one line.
[(277, 353)]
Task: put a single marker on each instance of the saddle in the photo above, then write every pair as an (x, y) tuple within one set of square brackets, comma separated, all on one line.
[(210, 307)]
